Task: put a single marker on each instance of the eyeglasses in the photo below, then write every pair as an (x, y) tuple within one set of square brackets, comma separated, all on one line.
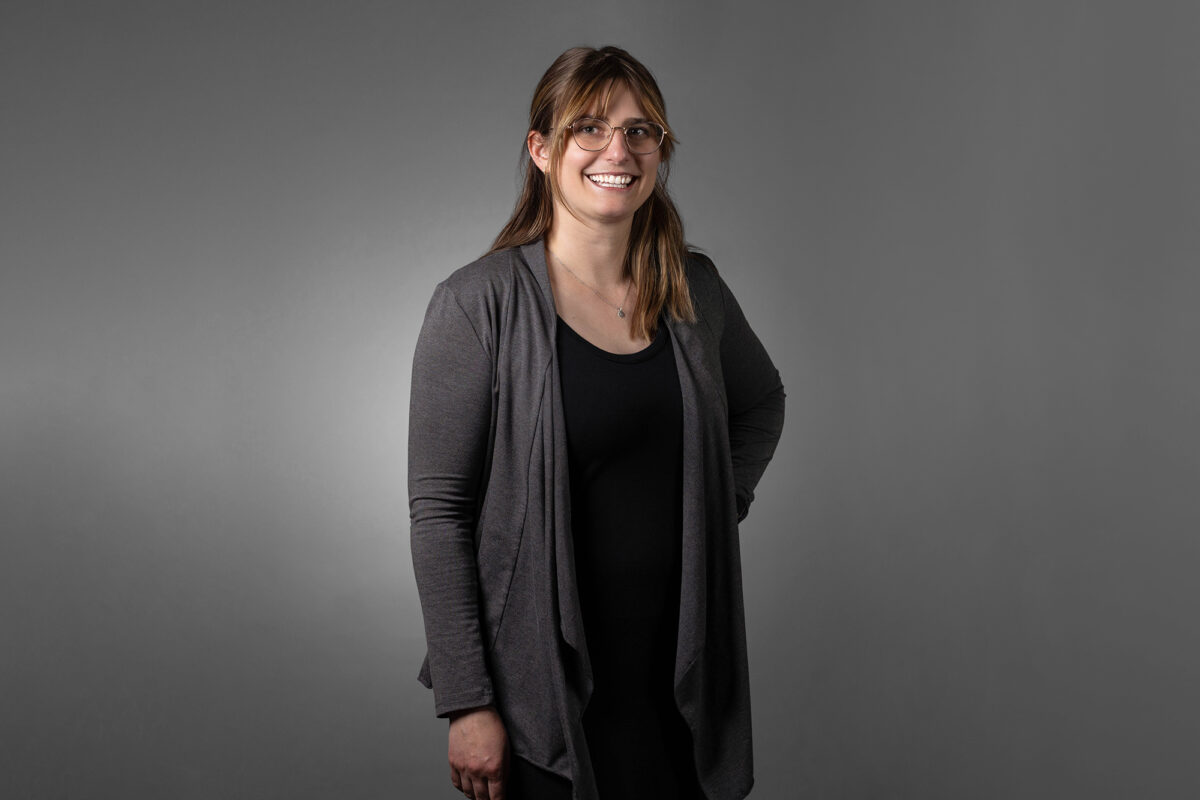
[(595, 134)]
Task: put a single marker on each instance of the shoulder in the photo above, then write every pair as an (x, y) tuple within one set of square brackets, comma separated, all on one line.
[(707, 288), (483, 288), (701, 272), (489, 275), (481, 295)]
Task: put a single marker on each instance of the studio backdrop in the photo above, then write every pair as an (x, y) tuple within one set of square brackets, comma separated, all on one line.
[(965, 231)]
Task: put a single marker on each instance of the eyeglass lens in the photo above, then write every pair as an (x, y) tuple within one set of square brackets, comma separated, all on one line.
[(593, 134)]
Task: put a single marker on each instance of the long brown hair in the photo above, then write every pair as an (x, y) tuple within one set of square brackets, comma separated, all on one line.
[(656, 259)]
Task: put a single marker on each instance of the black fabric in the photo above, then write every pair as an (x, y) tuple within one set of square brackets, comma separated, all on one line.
[(527, 782), (624, 424)]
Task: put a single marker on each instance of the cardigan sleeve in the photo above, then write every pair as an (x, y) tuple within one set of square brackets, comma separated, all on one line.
[(756, 399), (448, 441)]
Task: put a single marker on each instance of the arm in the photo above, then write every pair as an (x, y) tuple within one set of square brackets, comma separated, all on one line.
[(449, 428), (756, 400)]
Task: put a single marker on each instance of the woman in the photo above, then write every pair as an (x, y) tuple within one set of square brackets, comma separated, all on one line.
[(590, 415)]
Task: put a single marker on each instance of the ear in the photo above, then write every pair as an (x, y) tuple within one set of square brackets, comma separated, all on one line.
[(539, 150)]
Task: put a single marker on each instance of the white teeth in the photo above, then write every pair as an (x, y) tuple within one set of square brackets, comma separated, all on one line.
[(611, 180)]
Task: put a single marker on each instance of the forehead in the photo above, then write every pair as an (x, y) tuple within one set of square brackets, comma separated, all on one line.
[(613, 100)]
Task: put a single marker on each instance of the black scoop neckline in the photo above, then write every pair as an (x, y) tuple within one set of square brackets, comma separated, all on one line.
[(661, 337)]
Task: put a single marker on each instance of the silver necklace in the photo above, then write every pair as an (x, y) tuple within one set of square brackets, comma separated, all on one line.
[(620, 309)]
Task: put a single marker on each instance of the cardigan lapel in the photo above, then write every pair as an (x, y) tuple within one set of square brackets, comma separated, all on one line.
[(534, 255), (703, 404), (561, 555)]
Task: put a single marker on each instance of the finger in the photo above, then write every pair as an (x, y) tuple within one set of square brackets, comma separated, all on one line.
[(469, 787), (456, 778), (498, 787)]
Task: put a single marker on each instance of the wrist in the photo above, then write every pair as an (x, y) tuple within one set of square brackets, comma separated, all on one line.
[(462, 712)]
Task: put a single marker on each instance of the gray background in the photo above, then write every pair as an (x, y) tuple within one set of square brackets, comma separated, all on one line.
[(966, 231)]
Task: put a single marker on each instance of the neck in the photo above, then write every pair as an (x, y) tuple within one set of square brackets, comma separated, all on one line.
[(596, 255)]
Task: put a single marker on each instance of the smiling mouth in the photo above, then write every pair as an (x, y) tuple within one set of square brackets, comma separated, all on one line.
[(613, 181)]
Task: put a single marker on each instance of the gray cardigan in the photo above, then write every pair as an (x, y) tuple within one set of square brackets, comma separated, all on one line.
[(489, 503)]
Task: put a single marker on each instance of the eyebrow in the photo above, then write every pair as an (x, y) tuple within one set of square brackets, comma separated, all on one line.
[(628, 121)]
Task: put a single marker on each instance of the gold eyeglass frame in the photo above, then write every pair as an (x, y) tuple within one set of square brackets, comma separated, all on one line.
[(612, 129)]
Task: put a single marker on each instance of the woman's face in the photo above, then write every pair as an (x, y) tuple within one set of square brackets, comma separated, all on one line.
[(606, 204)]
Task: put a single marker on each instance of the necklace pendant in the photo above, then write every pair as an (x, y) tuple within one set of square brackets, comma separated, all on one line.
[(621, 313)]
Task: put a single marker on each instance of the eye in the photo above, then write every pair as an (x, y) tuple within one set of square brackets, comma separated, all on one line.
[(639, 131), (589, 125)]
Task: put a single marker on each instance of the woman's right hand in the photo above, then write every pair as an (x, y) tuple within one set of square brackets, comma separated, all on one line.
[(479, 753)]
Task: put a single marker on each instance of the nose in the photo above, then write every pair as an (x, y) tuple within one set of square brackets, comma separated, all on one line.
[(615, 152)]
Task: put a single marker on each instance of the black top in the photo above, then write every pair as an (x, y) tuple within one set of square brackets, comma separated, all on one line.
[(624, 423)]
